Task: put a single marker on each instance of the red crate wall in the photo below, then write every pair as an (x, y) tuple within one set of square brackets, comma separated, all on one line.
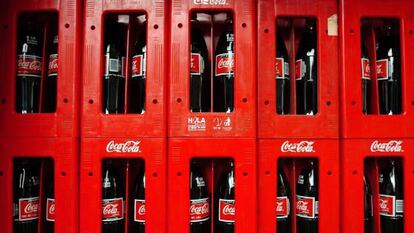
[(63, 152), (153, 122), (65, 121), (243, 118), (325, 123), (182, 151), (152, 151), (354, 123), (326, 152), (354, 152)]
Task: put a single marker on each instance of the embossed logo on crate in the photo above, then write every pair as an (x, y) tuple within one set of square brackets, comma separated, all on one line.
[(125, 147), (298, 147), (391, 146)]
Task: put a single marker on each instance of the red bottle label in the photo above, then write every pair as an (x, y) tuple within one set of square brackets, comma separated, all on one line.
[(282, 68), (112, 209), (196, 67), (199, 210), (282, 207), (300, 69), (50, 209), (29, 65), (306, 207), (139, 210), (137, 66), (224, 64), (382, 69), (365, 69), (279, 67), (53, 65), (28, 208), (390, 206), (227, 210)]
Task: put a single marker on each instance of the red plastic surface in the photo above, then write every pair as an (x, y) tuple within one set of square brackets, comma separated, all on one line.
[(242, 121), (182, 151), (65, 121), (354, 123), (354, 152), (151, 151), (64, 152), (327, 154), (150, 124), (325, 123)]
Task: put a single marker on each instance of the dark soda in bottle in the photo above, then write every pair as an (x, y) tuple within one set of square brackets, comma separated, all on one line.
[(137, 90), (283, 204), (199, 201), (389, 71), (282, 78), (306, 73), (114, 69), (200, 81), (223, 84), (307, 199), (29, 67), (226, 208)]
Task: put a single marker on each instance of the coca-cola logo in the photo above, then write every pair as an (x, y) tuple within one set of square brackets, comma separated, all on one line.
[(386, 205), (137, 65), (53, 64), (391, 146), (196, 67), (112, 209), (227, 210), (50, 209), (199, 210), (139, 211), (31, 208), (224, 64), (28, 64), (282, 207), (366, 68), (305, 206), (382, 69), (28, 208), (126, 147), (210, 2), (302, 206), (298, 147)]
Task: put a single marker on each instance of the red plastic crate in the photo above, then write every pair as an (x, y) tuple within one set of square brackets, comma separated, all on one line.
[(242, 121), (151, 151), (153, 122), (354, 123), (354, 152), (325, 123), (64, 122), (64, 152), (181, 151), (327, 154)]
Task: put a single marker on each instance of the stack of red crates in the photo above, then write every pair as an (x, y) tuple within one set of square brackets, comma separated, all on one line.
[(369, 138), (286, 141), (212, 137), (41, 136), (125, 136)]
